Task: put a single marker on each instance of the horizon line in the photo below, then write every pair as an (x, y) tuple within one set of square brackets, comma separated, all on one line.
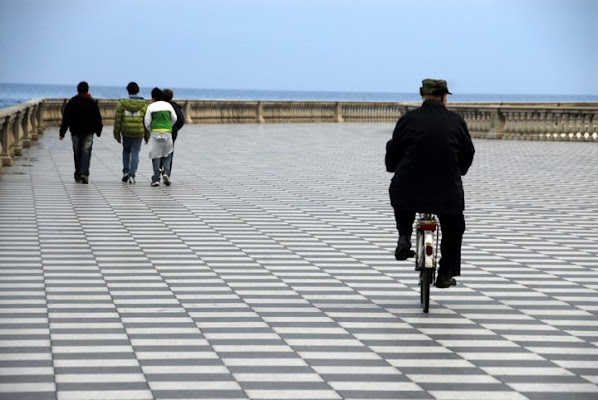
[(304, 90)]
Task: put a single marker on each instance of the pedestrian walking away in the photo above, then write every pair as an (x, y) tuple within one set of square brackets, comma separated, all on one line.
[(429, 151), (82, 117), (180, 121), (159, 119), (129, 129)]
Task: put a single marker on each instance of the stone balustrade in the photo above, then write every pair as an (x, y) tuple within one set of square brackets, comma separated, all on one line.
[(565, 121), (525, 121), (20, 125), (23, 123)]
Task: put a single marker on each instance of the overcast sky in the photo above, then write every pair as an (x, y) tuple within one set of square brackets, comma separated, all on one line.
[(479, 46)]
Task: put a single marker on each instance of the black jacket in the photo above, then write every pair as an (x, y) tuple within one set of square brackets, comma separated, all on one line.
[(82, 116), (180, 120), (429, 151)]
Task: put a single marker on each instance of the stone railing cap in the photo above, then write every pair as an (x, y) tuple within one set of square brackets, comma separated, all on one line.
[(4, 112)]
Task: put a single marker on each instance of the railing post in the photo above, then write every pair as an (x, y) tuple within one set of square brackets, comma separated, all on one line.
[(26, 127), (188, 118), (3, 132), (17, 130), (497, 124), (33, 122), (259, 113), (7, 140), (40, 115), (338, 112)]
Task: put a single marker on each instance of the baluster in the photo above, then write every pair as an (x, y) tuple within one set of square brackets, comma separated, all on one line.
[(579, 129), (562, 126), (17, 147), (39, 116), (551, 123), (527, 125), (513, 125), (565, 126), (488, 124), (33, 121), (572, 125), (508, 128), (468, 117), (585, 127), (556, 127), (516, 124), (474, 123), (7, 140), (524, 132), (542, 125), (536, 125), (3, 134), (26, 127)]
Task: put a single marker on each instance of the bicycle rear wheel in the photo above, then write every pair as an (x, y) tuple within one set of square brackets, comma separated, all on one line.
[(425, 282)]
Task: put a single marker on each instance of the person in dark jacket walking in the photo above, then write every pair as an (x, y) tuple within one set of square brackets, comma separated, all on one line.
[(82, 117), (180, 120), (429, 151)]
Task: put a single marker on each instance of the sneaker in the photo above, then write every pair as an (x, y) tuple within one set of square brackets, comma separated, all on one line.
[(125, 178), (403, 250), (445, 281), (155, 183), (77, 179), (166, 180), (131, 179), (84, 179)]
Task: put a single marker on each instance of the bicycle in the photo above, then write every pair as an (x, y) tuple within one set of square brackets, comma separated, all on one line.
[(426, 250)]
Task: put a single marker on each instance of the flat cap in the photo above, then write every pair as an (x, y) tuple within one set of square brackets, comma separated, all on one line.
[(434, 87)]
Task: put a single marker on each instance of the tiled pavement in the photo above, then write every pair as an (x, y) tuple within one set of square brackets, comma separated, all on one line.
[(266, 272)]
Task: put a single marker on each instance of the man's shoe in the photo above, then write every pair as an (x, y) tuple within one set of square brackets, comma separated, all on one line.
[(445, 281), (403, 250), (77, 179), (166, 180), (155, 183), (84, 179), (131, 179), (125, 178)]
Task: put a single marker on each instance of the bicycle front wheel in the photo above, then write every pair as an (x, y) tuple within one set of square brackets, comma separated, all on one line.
[(426, 281)]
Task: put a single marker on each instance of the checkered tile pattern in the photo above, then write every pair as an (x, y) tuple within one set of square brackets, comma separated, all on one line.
[(266, 271)]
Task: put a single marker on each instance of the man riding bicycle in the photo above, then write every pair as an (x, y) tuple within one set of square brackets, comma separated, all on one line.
[(429, 151)]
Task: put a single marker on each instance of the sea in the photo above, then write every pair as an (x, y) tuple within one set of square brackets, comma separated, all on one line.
[(14, 93)]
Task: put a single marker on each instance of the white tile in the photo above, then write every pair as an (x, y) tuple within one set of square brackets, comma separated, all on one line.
[(292, 394), (555, 387)]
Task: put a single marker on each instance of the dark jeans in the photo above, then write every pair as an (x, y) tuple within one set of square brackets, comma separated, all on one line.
[(452, 226), (158, 163), (131, 147), (171, 160), (174, 135), (82, 154)]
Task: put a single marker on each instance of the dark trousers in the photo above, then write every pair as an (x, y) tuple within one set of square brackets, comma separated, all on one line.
[(452, 226), (82, 154)]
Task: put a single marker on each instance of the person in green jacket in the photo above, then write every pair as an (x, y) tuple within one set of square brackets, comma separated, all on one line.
[(129, 129)]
